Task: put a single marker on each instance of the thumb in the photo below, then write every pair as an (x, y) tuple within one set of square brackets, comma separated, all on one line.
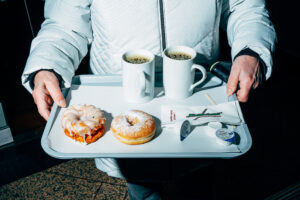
[(55, 93)]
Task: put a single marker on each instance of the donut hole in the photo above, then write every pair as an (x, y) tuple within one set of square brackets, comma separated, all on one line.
[(77, 118), (132, 120)]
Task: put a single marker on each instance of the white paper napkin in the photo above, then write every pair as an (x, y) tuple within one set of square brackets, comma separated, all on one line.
[(226, 113)]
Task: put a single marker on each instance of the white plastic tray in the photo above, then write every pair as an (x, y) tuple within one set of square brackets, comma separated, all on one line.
[(105, 92)]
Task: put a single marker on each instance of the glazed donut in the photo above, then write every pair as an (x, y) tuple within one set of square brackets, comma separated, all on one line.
[(133, 127), (83, 123)]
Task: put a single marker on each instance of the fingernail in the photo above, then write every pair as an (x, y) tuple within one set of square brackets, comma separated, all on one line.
[(62, 103)]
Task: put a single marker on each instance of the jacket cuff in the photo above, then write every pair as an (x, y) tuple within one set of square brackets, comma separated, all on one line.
[(32, 76), (262, 65)]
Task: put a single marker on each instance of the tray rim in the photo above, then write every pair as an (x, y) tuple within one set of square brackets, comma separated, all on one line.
[(117, 79)]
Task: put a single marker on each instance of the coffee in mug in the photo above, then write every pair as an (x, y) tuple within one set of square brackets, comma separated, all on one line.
[(137, 59), (179, 55), (138, 76), (179, 72)]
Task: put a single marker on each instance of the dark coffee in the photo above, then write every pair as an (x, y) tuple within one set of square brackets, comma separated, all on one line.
[(179, 55), (137, 59)]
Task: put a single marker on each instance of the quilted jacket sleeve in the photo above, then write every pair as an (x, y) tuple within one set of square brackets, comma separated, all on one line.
[(62, 41), (248, 26)]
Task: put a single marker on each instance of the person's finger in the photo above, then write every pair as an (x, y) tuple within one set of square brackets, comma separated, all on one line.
[(233, 80), (245, 86), (44, 110), (255, 84), (257, 79), (40, 99), (55, 93)]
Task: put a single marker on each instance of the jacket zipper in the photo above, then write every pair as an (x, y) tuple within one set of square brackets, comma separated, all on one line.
[(162, 24)]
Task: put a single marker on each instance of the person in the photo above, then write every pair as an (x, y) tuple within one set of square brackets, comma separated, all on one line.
[(106, 29)]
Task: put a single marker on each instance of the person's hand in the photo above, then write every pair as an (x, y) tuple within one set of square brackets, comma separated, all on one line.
[(46, 90), (245, 72)]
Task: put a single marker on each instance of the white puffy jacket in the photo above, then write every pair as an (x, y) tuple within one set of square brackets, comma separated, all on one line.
[(110, 27)]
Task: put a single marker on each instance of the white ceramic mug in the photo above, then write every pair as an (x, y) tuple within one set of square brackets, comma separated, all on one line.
[(179, 75), (138, 79)]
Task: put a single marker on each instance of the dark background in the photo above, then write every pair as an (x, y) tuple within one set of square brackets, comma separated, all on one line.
[(270, 165)]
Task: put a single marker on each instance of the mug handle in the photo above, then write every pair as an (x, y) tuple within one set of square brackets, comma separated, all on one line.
[(204, 75), (142, 83)]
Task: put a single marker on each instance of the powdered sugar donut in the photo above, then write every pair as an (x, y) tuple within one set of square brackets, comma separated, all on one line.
[(133, 127), (83, 123)]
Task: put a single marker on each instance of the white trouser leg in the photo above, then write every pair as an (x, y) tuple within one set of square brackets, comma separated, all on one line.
[(109, 166)]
